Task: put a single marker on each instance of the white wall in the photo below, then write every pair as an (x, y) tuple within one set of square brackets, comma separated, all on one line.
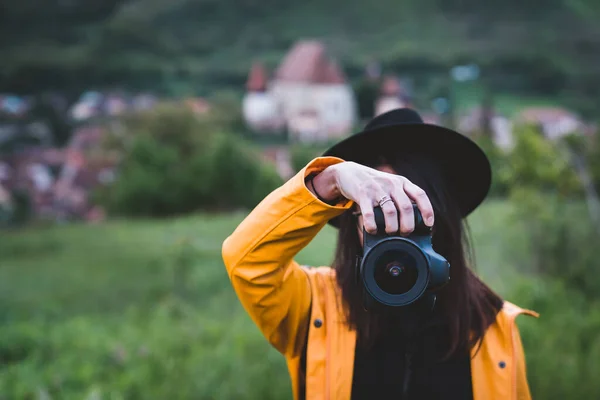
[(337, 108), (293, 97), (561, 127), (334, 104), (259, 109)]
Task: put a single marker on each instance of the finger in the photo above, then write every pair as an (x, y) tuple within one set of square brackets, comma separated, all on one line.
[(366, 209), (419, 196), (390, 215), (407, 216)]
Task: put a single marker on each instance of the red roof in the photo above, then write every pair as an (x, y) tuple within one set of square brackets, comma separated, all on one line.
[(257, 79), (308, 62)]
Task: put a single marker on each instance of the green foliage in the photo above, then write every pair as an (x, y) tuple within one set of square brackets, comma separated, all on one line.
[(593, 158), (171, 352), (541, 182), (129, 310), (22, 208), (301, 155), (536, 162), (187, 46), (367, 92), (559, 235), (176, 162), (239, 178), (145, 310), (500, 163), (563, 345)]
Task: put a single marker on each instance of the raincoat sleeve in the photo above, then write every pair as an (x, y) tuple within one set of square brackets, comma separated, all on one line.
[(259, 258)]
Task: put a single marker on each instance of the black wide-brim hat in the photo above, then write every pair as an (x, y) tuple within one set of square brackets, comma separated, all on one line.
[(465, 166)]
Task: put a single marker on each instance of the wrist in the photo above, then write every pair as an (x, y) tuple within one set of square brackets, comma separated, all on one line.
[(325, 184)]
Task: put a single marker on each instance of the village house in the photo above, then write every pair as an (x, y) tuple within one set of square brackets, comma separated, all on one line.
[(32, 171), (308, 96), (59, 182), (85, 168), (555, 122), (472, 122)]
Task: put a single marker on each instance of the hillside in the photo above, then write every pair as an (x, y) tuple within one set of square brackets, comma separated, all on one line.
[(199, 45), (145, 310)]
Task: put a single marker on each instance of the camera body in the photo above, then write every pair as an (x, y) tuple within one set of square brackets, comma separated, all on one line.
[(397, 271)]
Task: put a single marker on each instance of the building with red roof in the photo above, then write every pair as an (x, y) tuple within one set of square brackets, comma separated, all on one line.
[(308, 95)]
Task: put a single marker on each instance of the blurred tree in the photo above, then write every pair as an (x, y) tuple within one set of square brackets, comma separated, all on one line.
[(72, 45), (176, 162), (367, 92)]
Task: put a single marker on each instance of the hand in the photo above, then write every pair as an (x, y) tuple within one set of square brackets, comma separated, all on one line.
[(367, 186)]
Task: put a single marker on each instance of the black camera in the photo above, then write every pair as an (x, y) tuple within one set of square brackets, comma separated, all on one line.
[(397, 271)]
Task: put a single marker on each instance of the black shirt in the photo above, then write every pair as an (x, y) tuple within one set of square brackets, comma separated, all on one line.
[(381, 372), (400, 369)]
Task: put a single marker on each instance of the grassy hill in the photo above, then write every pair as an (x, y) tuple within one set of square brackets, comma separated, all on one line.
[(79, 269), (197, 46), (144, 309)]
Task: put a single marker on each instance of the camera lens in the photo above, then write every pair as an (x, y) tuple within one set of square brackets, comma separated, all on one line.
[(396, 272)]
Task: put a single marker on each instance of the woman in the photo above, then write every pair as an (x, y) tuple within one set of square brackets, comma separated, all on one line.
[(467, 346)]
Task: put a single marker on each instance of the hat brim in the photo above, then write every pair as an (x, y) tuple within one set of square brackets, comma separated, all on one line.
[(465, 166)]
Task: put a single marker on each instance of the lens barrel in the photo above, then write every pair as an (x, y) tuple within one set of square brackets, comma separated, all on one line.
[(395, 272)]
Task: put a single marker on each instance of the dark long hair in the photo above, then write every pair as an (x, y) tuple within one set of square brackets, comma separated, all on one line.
[(467, 306)]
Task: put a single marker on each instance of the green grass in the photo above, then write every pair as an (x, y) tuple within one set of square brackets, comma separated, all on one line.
[(144, 309), (468, 96), (104, 268)]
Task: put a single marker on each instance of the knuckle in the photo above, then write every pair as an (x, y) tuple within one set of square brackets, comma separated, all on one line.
[(387, 181), (406, 207), (390, 211), (368, 214), (420, 193), (407, 226)]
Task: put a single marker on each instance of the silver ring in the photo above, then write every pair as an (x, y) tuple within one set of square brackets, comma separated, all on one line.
[(384, 200)]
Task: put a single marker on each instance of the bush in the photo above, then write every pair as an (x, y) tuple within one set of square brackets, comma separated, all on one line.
[(562, 346), (559, 234), (367, 92), (22, 207), (500, 163), (153, 318), (593, 158), (549, 206), (172, 353), (542, 164), (239, 178), (175, 162), (534, 162), (561, 270)]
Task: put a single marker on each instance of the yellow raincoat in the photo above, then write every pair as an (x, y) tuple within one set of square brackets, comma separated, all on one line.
[(287, 301)]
